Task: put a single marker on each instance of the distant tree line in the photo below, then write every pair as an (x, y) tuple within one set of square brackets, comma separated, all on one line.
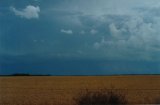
[(25, 74), (21, 74)]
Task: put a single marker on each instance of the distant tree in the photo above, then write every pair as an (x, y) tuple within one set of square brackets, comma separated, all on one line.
[(20, 74)]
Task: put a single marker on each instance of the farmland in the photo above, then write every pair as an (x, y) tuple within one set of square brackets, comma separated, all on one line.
[(60, 90)]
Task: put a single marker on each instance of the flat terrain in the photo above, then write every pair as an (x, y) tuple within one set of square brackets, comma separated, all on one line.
[(60, 90)]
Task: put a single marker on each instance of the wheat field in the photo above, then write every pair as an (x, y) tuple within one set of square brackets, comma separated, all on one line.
[(60, 90)]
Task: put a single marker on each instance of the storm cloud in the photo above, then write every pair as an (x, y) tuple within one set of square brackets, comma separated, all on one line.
[(101, 30)]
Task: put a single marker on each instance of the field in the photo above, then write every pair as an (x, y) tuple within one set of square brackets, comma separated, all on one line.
[(60, 90)]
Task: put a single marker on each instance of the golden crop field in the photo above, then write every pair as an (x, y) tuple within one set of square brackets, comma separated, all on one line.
[(60, 90)]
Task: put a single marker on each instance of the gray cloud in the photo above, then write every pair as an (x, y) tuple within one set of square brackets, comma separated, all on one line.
[(123, 28)]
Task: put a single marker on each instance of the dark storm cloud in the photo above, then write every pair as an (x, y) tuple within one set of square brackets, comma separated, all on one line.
[(71, 66)]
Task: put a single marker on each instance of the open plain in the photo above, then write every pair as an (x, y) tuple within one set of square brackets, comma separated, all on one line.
[(61, 90)]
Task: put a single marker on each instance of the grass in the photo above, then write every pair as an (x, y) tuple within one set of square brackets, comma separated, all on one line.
[(61, 90)]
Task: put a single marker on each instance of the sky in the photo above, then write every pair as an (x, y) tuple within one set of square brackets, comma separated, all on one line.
[(80, 37)]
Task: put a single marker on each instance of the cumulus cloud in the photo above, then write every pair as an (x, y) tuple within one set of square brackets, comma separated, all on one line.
[(93, 31), (114, 31), (97, 45), (137, 36), (29, 12), (82, 32), (67, 31), (102, 43)]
